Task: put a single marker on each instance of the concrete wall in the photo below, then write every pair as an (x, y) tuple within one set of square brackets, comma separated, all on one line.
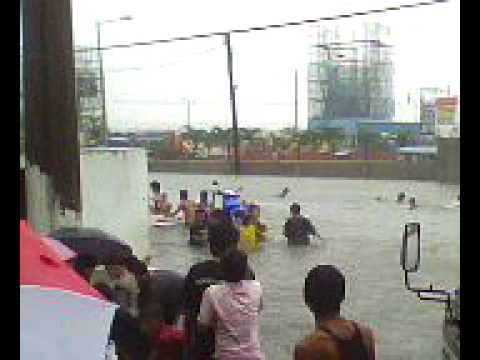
[(43, 210), (449, 160), (114, 184), (424, 170), (114, 188)]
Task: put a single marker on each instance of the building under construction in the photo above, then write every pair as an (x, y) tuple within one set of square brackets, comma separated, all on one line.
[(350, 77), (89, 94)]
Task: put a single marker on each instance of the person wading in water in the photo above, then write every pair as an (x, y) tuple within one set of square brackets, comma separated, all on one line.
[(298, 228)]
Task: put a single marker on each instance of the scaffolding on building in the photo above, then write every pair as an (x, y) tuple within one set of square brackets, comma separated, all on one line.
[(350, 77), (89, 91)]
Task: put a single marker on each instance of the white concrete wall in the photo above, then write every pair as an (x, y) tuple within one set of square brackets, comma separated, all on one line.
[(114, 188), (43, 210)]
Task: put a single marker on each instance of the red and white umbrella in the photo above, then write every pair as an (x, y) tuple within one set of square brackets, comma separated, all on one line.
[(61, 315)]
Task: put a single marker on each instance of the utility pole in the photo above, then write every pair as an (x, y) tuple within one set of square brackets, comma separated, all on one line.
[(296, 100), (233, 106)]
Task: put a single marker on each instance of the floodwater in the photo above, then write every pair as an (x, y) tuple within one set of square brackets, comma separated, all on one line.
[(362, 237)]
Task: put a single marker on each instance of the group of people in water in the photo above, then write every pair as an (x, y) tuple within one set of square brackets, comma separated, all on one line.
[(214, 311), (411, 201), (401, 196), (245, 217)]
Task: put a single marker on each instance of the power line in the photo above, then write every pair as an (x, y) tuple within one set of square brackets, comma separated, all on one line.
[(161, 102), (182, 59), (267, 27)]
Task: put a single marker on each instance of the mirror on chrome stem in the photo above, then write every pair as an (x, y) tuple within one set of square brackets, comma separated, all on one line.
[(410, 252)]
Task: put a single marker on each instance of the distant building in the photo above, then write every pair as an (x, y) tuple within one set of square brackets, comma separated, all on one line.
[(417, 153), (447, 117), (428, 107), (389, 127), (119, 142), (145, 137), (350, 78)]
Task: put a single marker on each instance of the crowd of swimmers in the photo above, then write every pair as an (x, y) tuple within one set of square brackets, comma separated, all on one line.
[(214, 311)]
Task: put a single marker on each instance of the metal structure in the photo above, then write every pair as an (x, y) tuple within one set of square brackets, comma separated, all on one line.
[(90, 94), (350, 76)]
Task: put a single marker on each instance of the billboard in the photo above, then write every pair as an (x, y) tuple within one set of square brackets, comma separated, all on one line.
[(446, 110), (428, 107)]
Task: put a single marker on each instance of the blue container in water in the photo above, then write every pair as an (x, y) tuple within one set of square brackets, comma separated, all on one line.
[(231, 202)]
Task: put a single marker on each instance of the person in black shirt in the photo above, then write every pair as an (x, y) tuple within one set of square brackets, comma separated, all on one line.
[(298, 228), (131, 341), (222, 236)]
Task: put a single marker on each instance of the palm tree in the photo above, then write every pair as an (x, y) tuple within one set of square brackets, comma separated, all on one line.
[(156, 148), (206, 139), (303, 138), (220, 137), (280, 143), (315, 139), (333, 137)]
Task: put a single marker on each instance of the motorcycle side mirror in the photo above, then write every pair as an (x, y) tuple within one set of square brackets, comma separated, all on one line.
[(410, 252)]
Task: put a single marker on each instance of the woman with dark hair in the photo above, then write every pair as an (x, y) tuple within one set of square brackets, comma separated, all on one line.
[(222, 236), (232, 310), (335, 337), (161, 312), (84, 265)]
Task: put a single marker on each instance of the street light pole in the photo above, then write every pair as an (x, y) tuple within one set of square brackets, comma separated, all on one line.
[(296, 100), (98, 25), (188, 114)]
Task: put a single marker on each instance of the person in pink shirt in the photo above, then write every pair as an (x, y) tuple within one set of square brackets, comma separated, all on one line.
[(232, 309)]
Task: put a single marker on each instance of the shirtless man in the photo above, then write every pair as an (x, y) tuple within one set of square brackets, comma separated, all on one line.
[(334, 337)]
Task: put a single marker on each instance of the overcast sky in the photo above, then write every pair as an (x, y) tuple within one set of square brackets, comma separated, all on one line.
[(147, 86)]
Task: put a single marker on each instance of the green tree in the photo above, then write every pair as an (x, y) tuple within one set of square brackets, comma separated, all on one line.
[(93, 127), (315, 139), (219, 137), (280, 143), (303, 138), (405, 138), (334, 137), (158, 147), (369, 141)]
